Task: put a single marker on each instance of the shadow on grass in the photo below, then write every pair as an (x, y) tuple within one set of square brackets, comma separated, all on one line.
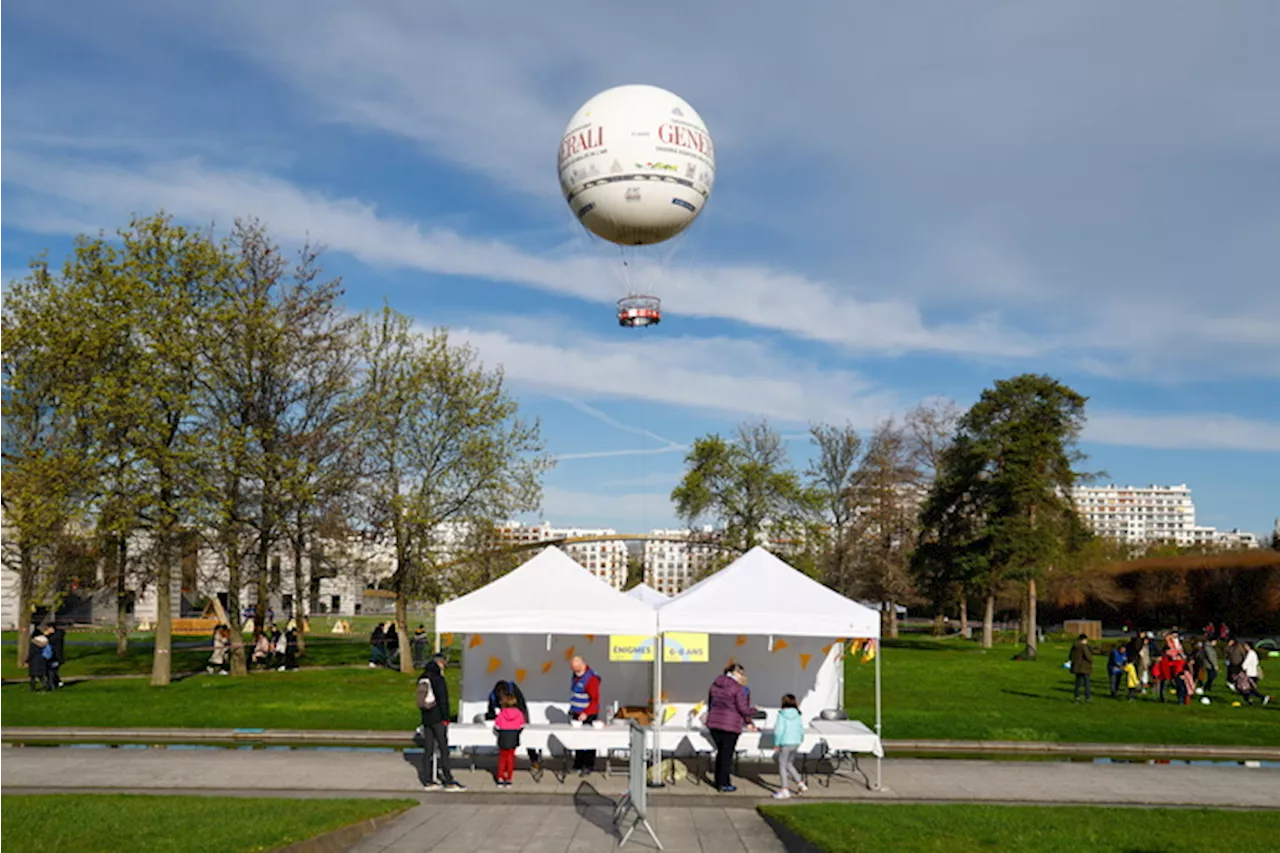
[(933, 644)]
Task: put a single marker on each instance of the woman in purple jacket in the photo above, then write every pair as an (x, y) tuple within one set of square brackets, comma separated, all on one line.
[(728, 712)]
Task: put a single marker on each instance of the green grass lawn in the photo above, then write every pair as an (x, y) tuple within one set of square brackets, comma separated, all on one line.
[(956, 690), (91, 653), (850, 828), (932, 689), (142, 823)]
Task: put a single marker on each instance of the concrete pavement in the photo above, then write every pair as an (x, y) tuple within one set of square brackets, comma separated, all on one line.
[(577, 815)]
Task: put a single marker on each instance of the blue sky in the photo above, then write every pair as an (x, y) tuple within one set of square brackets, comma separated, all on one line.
[(912, 200)]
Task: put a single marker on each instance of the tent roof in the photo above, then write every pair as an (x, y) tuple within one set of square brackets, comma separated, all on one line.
[(549, 594), (760, 594), (647, 594)]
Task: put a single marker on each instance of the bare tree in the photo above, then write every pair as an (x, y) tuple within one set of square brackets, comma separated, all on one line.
[(832, 477), (886, 497)]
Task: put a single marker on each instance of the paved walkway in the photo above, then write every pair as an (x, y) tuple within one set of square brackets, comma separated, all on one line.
[(577, 815)]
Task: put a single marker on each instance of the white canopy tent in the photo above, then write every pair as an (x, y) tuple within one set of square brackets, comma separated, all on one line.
[(528, 625), (647, 594), (788, 614)]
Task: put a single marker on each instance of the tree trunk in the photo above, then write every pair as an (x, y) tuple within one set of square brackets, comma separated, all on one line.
[(1030, 652), (964, 617), (889, 619), (235, 619), (988, 620), (402, 634), (162, 664), (261, 566), (122, 596), (26, 592), (299, 614)]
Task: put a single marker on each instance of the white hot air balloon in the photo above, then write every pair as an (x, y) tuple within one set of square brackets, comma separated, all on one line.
[(636, 166)]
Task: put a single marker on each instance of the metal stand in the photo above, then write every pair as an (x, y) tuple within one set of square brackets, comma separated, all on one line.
[(633, 801)]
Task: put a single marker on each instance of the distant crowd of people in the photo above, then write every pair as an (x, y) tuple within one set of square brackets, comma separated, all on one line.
[(384, 646), (272, 649), (1166, 666)]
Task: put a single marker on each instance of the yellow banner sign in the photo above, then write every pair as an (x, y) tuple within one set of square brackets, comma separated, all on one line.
[(678, 647), (630, 647)]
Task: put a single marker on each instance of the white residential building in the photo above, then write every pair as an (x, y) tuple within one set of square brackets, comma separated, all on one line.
[(1141, 514), (605, 559), (671, 563)]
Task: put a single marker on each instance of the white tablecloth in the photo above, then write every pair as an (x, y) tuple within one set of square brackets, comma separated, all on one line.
[(555, 738), (838, 735)]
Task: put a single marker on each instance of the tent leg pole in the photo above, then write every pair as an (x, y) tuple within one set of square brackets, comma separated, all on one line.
[(437, 649), (879, 726), (655, 757)]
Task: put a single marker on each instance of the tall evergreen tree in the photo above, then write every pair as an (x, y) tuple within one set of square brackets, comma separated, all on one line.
[(1007, 486)]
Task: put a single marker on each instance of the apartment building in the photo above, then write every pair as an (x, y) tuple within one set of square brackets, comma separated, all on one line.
[(607, 559), (672, 562), (1141, 514)]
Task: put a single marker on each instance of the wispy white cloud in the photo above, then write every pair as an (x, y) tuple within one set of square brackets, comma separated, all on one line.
[(667, 444), (1200, 431), (722, 375), (765, 298)]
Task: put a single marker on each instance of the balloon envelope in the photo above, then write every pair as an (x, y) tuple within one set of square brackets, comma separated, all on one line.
[(636, 165)]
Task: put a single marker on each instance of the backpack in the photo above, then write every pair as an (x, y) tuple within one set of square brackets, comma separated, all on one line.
[(426, 694)]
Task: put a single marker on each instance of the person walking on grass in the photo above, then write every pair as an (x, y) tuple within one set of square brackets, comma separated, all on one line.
[(1249, 676), (1116, 661), (788, 734), (1208, 658), (1082, 667), (433, 702), (1235, 659)]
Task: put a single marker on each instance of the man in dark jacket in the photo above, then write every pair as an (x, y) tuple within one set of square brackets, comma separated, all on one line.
[(1082, 667), (1235, 660), (435, 732)]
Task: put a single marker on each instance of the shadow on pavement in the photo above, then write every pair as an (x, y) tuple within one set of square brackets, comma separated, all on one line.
[(595, 808)]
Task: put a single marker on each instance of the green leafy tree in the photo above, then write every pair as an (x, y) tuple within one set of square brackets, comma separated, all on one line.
[(1015, 469), (443, 443), (280, 359), (146, 297), (953, 556), (43, 452), (747, 488)]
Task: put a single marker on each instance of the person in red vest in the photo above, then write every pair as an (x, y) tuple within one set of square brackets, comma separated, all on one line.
[(584, 706)]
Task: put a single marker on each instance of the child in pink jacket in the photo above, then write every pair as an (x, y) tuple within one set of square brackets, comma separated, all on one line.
[(507, 726)]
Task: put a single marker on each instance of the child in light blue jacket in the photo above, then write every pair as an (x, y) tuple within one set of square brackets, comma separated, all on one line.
[(788, 734)]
